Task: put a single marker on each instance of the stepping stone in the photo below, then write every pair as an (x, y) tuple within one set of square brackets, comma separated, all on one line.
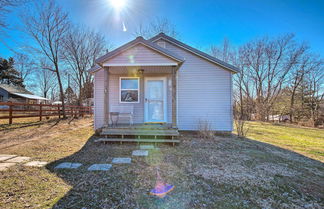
[(18, 159), (146, 147), (5, 166), (36, 164), (6, 157), (121, 160), (140, 153), (68, 165), (99, 167)]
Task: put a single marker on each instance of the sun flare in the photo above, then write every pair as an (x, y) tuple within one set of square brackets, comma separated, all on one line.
[(118, 4)]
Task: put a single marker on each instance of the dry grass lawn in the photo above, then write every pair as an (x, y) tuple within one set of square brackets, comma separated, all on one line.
[(225, 172)]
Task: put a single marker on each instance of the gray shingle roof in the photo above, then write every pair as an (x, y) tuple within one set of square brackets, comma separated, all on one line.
[(14, 89), (196, 51)]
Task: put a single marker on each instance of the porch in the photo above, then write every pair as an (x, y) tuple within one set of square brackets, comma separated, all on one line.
[(140, 133), (140, 104)]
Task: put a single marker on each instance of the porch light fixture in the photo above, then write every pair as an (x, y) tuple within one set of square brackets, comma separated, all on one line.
[(140, 71)]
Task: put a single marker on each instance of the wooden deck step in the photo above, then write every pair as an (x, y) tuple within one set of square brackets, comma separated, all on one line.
[(141, 127), (135, 132), (138, 140)]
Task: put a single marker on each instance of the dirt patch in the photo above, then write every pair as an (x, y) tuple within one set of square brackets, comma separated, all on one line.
[(272, 169)]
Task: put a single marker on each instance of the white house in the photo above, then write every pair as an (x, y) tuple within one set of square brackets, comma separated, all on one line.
[(162, 80)]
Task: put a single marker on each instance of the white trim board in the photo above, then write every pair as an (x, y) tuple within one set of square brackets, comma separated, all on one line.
[(139, 64)]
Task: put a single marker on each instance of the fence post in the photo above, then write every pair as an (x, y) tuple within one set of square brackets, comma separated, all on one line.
[(40, 112), (10, 113), (59, 112)]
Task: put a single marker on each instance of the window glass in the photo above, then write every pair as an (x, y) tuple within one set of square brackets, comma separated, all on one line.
[(129, 91), (129, 83)]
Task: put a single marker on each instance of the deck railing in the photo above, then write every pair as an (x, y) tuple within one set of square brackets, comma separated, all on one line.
[(11, 110)]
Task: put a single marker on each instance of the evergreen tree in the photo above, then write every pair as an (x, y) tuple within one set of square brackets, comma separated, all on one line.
[(8, 74)]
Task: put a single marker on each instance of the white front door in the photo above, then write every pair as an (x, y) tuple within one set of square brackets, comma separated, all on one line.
[(155, 107)]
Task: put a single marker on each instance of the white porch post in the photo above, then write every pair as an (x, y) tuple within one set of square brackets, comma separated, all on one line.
[(174, 97), (106, 96), (142, 90)]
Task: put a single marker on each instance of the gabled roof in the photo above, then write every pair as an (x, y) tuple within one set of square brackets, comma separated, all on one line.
[(14, 89), (20, 91), (195, 51), (139, 40), (30, 96)]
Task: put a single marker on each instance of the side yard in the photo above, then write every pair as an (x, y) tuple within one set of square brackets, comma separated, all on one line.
[(225, 172), (306, 141)]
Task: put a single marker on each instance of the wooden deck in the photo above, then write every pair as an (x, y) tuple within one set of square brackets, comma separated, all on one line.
[(140, 133)]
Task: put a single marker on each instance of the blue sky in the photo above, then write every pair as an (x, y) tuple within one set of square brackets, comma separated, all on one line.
[(200, 23)]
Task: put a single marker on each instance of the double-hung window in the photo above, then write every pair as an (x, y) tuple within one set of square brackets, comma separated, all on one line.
[(129, 90)]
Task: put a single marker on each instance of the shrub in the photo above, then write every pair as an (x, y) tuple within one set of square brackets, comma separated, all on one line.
[(241, 128), (205, 130)]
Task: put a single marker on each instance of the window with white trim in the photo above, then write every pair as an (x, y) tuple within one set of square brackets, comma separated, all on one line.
[(129, 90), (1, 98)]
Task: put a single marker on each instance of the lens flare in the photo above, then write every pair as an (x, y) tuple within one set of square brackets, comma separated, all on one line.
[(118, 4), (124, 27)]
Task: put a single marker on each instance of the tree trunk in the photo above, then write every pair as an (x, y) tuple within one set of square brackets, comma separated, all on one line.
[(61, 90), (292, 104)]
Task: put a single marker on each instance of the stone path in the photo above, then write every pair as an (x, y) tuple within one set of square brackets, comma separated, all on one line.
[(68, 165), (143, 152), (18, 159), (140, 153), (7, 161), (6, 157), (145, 147), (120, 160), (99, 167), (5, 166), (36, 163)]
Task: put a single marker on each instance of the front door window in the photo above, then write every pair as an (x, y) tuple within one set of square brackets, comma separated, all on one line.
[(155, 100)]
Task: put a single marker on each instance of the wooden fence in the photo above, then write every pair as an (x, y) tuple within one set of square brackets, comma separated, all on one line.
[(22, 110)]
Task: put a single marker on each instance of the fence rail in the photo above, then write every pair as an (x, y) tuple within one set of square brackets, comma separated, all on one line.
[(40, 110)]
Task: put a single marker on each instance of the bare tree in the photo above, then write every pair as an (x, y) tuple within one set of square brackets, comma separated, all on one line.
[(25, 65), (308, 63), (81, 48), (243, 96), (48, 26), (158, 25), (268, 62), (224, 51), (5, 7), (46, 81), (314, 92)]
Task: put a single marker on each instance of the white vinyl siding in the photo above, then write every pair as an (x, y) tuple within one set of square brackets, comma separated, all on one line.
[(99, 89), (140, 55), (204, 93)]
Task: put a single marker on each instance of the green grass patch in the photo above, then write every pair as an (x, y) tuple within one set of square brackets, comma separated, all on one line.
[(306, 141)]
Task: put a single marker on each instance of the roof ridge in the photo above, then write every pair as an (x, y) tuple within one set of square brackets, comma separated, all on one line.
[(196, 51)]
